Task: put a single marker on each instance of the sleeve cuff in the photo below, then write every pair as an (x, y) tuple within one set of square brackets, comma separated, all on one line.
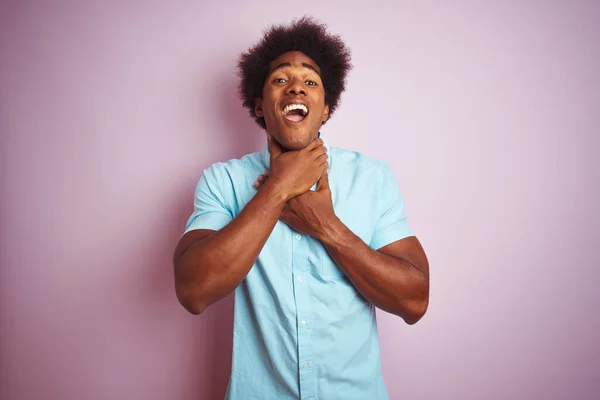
[(213, 221), (390, 234)]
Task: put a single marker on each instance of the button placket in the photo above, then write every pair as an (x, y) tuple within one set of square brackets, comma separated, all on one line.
[(301, 266)]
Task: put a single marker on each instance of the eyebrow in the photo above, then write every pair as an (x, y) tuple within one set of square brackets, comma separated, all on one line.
[(287, 64)]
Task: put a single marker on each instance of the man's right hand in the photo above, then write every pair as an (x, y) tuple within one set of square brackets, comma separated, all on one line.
[(296, 171)]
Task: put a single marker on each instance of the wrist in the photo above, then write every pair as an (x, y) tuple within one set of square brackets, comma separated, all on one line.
[(276, 191), (331, 231)]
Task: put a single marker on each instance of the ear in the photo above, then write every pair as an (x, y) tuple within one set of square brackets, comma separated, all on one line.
[(258, 110), (326, 113)]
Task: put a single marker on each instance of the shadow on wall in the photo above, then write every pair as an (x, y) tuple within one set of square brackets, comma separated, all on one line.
[(211, 346)]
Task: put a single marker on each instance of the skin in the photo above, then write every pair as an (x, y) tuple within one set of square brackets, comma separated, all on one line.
[(293, 77), (209, 264), (395, 278)]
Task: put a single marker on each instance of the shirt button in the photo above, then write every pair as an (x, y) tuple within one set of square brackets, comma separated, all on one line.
[(303, 323), (299, 279), (298, 237), (304, 365)]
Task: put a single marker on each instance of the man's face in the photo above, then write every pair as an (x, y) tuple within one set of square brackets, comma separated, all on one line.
[(293, 101)]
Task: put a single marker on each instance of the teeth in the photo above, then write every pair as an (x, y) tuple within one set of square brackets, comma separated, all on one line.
[(291, 107)]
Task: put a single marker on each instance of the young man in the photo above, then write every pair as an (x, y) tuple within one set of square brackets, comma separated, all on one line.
[(311, 237)]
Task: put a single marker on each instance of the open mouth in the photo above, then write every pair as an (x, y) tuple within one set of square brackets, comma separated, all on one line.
[(295, 112)]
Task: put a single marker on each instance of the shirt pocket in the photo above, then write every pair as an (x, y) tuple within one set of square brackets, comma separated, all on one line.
[(329, 268)]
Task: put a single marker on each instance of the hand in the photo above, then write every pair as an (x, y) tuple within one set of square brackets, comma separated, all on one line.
[(309, 213), (296, 171)]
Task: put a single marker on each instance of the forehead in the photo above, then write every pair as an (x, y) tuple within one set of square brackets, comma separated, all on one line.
[(295, 59)]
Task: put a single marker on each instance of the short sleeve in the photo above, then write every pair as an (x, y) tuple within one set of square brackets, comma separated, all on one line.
[(210, 211), (392, 222)]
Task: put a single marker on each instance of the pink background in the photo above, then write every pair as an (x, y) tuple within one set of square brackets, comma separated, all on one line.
[(488, 114)]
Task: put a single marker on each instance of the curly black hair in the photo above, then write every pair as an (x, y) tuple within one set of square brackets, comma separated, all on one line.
[(304, 35)]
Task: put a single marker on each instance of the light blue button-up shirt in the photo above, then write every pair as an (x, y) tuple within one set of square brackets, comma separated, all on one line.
[(301, 329)]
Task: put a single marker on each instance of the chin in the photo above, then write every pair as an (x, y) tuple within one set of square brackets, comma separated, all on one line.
[(296, 140), (296, 144)]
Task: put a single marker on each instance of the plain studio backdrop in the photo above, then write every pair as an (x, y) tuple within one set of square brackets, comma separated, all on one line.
[(488, 113)]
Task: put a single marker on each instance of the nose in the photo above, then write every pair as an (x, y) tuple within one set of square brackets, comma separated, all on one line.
[(296, 87)]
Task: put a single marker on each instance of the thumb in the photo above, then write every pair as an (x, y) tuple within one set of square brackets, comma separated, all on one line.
[(323, 183), (275, 148)]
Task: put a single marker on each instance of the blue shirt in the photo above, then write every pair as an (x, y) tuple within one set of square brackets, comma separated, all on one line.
[(301, 329)]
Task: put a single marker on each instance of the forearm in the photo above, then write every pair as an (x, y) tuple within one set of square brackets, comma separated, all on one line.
[(210, 268), (392, 284)]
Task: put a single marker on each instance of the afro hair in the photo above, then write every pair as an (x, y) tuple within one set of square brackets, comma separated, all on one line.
[(304, 35)]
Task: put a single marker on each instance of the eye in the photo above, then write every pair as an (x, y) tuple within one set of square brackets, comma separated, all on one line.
[(279, 80), (311, 83)]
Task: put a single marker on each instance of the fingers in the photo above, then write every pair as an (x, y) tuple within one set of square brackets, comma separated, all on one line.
[(322, 159), (262, 178), (319, 152), (323, 183), (314, 144)]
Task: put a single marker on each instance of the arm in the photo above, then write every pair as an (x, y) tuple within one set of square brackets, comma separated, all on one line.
[(210, 264), (394, 278)]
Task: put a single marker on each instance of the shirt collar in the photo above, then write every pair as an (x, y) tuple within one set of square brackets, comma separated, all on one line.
[(266, 155)]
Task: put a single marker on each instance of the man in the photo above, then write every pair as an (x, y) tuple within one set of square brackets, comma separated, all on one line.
[(312, 238)]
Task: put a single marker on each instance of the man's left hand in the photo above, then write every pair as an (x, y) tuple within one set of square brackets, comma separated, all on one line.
[(309, 213)]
